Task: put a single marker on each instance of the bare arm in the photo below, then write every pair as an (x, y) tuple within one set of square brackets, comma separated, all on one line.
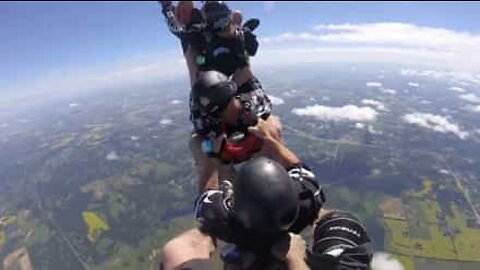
[(292, 251), (272, 146), (178, 29)]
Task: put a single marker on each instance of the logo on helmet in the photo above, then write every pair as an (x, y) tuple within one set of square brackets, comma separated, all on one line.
[(204, 101)]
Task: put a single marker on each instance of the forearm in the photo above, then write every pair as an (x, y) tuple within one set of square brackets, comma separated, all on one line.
[(296, 263), (280, 152)]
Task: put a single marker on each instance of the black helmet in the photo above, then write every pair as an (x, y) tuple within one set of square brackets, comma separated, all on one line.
[(210, 95), (264, 197), (341, 242), (216, 14), (212, 92)]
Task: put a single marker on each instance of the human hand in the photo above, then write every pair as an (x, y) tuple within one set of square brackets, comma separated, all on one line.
[(267, 129), (290, 248)]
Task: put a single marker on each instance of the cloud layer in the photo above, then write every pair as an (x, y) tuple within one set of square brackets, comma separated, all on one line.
[(405, 42), (436, 123), (470, 98), (374, 84), (340, 114), (377, 104), (457, 89)]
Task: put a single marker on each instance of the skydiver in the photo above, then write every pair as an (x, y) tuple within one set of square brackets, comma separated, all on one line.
[(223, 122), (256, 213), (194, 244), (213, 38)]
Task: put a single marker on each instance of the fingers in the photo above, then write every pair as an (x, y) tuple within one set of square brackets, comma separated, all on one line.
[(237, 17)]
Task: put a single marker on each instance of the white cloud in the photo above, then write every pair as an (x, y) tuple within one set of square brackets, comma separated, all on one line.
[(175, 102), (374, 84), (276, 100), (425, 102), (436, 123), (134, 138), (475, 108), (389, 91), (412, 84), (450, 48), (359, 125), (461, 77), (470, 98), (73, 105), (377, 104), (457, 89), (443, 171), (384, 261), (345, 113), (112, 156), (373, 131), (165, 122)]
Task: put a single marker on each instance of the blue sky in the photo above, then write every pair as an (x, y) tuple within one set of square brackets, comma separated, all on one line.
[(47, 41)]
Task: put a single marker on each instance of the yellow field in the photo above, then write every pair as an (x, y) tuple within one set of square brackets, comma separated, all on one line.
[(95, 225), (3, 238), (430, 210), (64, 141), (407, 262), (7, 220), (467, 241), (393, 208), (426, 190), (398, 239)]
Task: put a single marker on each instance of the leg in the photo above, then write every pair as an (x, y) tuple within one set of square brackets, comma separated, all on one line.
[(207, 170), (190, 55), (188, 246)]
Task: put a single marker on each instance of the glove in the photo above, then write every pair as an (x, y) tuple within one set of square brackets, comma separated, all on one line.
[(250, 42), (213, 212), (310, 194)]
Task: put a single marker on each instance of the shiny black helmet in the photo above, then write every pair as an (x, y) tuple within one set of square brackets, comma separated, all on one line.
[(264, 197), (216, 15), (210, 95)]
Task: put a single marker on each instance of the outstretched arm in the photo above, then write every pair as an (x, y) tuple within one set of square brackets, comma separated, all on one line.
[(187, 35)]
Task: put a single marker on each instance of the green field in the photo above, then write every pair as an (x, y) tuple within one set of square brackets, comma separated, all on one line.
[(134, 257)]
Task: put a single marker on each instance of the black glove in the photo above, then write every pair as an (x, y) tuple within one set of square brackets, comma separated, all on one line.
[(310, 194), (250, 42), (250, 39), (214, 214)]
